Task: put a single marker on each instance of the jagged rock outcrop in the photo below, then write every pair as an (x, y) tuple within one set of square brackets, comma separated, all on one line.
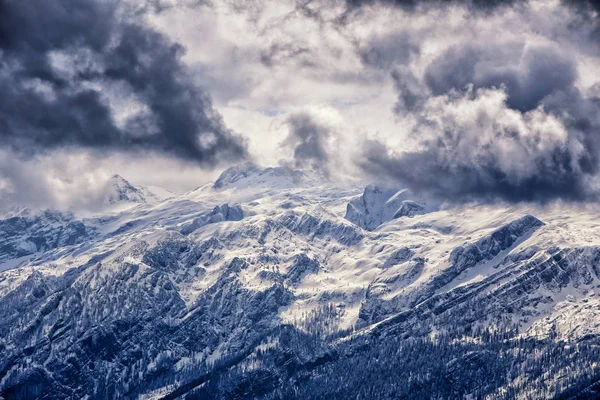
[(313, 227), (218, 214), (29, 233), (301, 266), (377, 206)]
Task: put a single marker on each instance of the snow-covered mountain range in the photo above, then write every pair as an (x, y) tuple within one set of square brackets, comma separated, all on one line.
[(277, 283)]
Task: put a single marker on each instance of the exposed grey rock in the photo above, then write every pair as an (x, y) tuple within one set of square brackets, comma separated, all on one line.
[(302, 266), (31, 233), (218, 214), (409, 208), (377, 206), (398, 257)]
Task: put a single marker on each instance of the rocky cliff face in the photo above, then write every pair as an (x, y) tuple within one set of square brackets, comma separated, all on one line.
[(263, 286), (378, 205), (27, 234), (218, 214)]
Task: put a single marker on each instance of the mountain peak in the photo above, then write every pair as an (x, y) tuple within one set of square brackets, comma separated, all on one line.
[(120, 190), (118, 178), (249, 174), (236, 173)]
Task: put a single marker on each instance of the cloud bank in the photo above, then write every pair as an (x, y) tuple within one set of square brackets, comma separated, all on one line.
[(308, 140), (91, 74), (465, 99), (497, 117)]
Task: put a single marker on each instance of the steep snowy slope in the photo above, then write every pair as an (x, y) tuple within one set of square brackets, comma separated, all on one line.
[(273, 273)]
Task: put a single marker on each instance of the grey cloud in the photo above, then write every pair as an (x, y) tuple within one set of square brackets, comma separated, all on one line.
[(39, 183), (307, 139), (586, 7), (427, 171), (589, 10), (481, 5), (496, 120), (386, 51), (279, 53), (499, 152), (411, 93), (528, 73), (57, 58), (580, 113)]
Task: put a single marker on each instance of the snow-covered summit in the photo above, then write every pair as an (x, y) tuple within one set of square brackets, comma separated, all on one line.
[(120, 190), (252, 175)]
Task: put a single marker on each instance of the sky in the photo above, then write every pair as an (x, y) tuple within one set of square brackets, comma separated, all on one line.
[(461, 99)]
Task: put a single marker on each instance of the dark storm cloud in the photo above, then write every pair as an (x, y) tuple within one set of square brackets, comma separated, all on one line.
[(413, 4), (474, 145), (428, 171), (59, 60), (529, 74), (307, 139), (410, 90), (584, 6), (386, 51), (538, 142), (493, 118)]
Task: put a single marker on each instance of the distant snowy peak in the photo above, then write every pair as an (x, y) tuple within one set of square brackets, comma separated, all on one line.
[(248, 175), (120, 191), (378, 205), (236, 173)]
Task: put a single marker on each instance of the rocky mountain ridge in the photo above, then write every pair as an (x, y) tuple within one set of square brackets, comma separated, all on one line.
[(275, 283)]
